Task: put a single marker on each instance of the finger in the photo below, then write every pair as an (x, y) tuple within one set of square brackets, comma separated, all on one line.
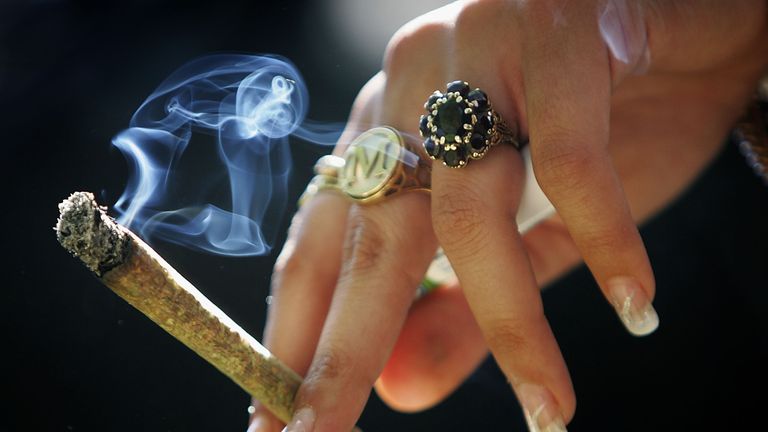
[(474, 219), (389, 247), (434, 355), (550, 250), (302, 287), (387, 250), (567, 82), (304, 277), (261, 420), (439, 346), (308, 266)]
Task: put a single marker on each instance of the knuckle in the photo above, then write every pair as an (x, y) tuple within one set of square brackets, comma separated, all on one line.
[(364, 244), (458, 219), (299, 262), (468, 20), (363, 109), (412, 42), (562, 167), (541, 12), (288, 261), (606, 242), (329, 364), (334, 368), (286, 267), (506, 337), (474, 16)]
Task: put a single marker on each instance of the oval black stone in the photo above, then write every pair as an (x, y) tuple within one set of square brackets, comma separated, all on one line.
[(423, 128), (458, 86), (432, 148), (477, 142), (450, 119), (432, 99), (480, 127), (484, 124), (454, 158), (481, 98)]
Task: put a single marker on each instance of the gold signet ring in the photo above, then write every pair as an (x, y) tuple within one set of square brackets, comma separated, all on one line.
[(375, 165)]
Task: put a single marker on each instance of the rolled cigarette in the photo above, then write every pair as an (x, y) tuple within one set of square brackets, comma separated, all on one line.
[(134, 271)]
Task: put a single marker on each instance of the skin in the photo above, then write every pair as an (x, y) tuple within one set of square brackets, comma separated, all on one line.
[(613, 138)]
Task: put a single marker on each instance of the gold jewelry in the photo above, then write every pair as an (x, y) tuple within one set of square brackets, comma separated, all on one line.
[(460, 125), (376, 164), (326, 177), (379, 163), (329, 165), (318, 183)]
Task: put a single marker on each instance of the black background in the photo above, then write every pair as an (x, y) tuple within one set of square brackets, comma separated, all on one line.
[(71, 75), (78, 358)]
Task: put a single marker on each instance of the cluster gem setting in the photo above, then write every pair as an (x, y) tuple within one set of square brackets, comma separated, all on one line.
[(459, 125)]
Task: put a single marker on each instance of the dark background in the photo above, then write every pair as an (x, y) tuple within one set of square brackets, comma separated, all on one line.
[(78, 358), (71, 75)]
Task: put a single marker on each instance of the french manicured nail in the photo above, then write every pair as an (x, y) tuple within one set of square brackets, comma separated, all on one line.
[(541, 410), (303, 421), (632, 306)]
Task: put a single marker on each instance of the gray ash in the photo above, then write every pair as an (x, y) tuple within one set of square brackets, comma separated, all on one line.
[(85, 230)]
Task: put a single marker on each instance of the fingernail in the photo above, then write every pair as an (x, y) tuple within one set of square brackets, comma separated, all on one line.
[(632, 306), (541, 410), (303, 421), (258, 424), (622, 28)]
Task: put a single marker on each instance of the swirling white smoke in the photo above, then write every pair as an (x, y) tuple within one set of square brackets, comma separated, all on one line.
[(250, 105)]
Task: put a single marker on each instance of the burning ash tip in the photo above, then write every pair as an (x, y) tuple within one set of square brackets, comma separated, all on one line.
[(86, 231)]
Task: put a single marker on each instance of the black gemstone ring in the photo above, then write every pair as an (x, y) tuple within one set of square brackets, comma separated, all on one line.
[(460, 125)]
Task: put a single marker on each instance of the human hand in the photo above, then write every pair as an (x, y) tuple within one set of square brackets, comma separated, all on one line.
[(606, 107)]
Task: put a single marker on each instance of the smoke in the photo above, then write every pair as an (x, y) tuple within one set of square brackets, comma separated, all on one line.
[(249, 105)]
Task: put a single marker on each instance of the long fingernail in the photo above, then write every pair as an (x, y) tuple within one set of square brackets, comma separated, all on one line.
[(622, 28), (632, 306), (303, 421), (541, 410)]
